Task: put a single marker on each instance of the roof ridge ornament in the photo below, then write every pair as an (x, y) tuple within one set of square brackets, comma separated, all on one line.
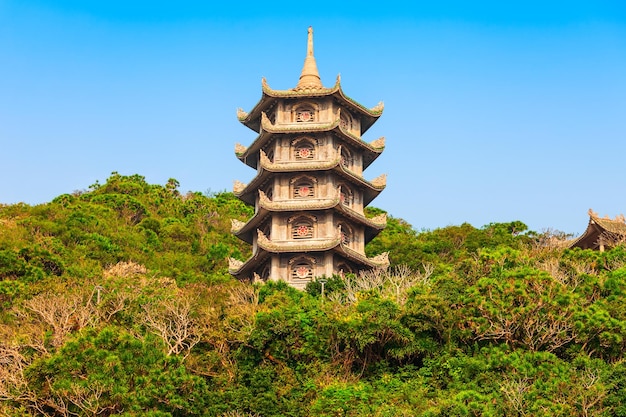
[(309, 77), (241, 114)]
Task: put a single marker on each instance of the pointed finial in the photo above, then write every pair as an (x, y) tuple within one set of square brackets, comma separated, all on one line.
[(309, 45), (310, 77)]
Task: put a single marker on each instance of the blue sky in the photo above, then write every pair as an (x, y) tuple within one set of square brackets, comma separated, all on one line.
[(494, 111)]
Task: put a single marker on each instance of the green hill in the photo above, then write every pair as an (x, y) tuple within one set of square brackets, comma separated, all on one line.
[(117, 301)]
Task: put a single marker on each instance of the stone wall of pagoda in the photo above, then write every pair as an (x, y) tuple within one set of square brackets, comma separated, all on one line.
[(309, 192)]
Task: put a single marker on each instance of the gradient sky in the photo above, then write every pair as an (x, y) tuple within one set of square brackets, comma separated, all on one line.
[(494, 111)]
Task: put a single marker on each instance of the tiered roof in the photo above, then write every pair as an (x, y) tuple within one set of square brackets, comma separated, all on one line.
[(309, 86)]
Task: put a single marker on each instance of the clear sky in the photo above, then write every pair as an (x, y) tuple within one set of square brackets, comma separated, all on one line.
[(494, 110)]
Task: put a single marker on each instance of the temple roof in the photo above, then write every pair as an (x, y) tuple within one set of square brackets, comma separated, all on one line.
[(601, 232), (248, 155), (309, 86), (247, 192), (244, 230), (265, 247)]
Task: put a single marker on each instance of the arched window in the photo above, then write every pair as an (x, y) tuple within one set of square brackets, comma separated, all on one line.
[(302, 270), (304, 149), (303, 188), (346, 233), (344, 268), (302, 227), (346, 158), (305, 113), (345, 121), (265, 271), (345, 195), (301, 267)]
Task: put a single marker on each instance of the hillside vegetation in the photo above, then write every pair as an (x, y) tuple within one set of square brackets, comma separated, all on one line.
[(117, 301)]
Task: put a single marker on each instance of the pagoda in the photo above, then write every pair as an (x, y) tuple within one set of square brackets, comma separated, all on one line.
[(309, 191)]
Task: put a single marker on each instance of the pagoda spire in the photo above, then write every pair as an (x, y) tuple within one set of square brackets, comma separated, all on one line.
[(310, 77)]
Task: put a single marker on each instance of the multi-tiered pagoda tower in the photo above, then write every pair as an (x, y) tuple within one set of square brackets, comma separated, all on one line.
[(309, 191)]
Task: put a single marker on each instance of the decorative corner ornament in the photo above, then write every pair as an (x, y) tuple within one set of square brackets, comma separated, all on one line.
[(241, 115), (380, 181), (261, 238), (240, 149), (378, 108), (264, 85), (266, 123), (265, 161), (380, 219), (238, 186), (378, 143), (382, 259), (263, 198), (236, 225), (234, 264)]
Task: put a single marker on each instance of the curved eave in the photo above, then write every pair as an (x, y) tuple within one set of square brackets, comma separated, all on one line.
[(368, 116), (246, 269), (299, 166), (597, 226), (333, 126), (250, 156), (372, 228), (266, 206), (245, 232), (369, 150), (370, 189), (380, 261), (298, 246), (269, 97), (247, 194), (588, 238)]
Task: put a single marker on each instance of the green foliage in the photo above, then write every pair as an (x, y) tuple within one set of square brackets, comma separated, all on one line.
[(118, 301), (111, 372)]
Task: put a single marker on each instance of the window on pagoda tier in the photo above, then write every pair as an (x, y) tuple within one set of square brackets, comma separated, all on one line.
[(269, 192), (304, 150), (345, 195), (346, 158), (270, 154), (344, 268), (345, 121), (305, 115), (302, 269), (302, 228), (267, 230), (304, 188), (346, 233)]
